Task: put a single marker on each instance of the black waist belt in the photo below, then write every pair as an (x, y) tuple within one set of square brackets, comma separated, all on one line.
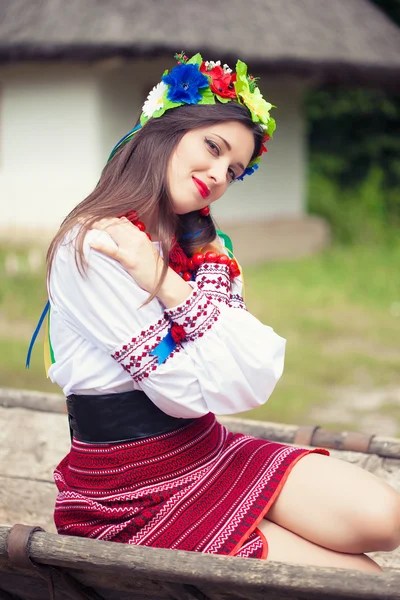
[(112, 418)]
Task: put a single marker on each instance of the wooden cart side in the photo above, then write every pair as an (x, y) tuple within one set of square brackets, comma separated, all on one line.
[(138, 572), (278, 432)]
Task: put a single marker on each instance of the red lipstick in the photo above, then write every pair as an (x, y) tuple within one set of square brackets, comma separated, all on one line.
[(203, 189)]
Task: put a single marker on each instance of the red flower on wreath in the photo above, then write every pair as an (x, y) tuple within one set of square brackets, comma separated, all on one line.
[(221, 82), (263, 147), (178, 333)]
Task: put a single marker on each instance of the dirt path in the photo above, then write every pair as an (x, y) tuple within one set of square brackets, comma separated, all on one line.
[(374, 411)]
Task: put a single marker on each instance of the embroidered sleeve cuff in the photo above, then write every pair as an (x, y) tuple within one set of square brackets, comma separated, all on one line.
[(196, 315), (214, 280), (236, 301), (137, 356)]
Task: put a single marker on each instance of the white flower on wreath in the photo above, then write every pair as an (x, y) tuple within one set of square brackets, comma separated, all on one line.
[(154, 99)]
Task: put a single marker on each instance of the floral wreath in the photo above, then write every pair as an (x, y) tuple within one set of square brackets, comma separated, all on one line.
[(193, 81)]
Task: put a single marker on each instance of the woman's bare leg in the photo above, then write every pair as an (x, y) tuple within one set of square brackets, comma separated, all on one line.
[(339, 506), (285, 546)]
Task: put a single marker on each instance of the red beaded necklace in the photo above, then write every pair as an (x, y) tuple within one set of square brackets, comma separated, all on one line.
[(183, 265)]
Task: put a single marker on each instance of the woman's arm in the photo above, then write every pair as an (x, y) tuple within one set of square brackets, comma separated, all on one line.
[(228, 362)]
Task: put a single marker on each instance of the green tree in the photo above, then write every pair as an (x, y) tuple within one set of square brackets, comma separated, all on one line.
[(354, 139)]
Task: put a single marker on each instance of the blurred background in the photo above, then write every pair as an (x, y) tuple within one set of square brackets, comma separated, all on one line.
[(316, 229)]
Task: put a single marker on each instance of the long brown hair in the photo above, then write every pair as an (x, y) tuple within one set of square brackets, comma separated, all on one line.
[(135, 179)]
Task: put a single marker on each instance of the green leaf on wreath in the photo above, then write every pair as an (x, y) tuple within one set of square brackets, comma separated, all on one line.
[(157, 113), (241, 69), (169, 104), (195, 60), (271, 126), (207, 97)]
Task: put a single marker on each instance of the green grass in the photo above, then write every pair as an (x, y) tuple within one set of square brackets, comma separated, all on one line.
[(339, 311), (12, 367), (340, 314)]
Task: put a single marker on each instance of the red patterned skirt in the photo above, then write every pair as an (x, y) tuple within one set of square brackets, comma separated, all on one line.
[(199, 488)]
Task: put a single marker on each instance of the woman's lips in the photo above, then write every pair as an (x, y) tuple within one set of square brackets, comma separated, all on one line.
[(203, 189)]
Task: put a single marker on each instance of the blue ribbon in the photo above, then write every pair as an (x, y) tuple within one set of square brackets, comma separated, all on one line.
[(35, 334), (161, 351), (124, 138), (192, 235), (164, 348)]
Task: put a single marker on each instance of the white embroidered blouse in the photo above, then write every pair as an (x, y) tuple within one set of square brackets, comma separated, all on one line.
[(103, 339)]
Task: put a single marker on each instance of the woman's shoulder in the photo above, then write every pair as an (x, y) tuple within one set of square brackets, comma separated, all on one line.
[(79, 271), (77, 241), (76, 262)]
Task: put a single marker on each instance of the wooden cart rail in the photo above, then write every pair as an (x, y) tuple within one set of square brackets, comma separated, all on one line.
[(85, 569), (288, 434), (96, 570)]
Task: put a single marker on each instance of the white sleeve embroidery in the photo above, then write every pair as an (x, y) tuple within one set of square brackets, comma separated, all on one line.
[(230, 362)]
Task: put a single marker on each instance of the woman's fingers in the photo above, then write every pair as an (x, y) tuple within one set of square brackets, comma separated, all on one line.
[(106, 245), (119, 239)]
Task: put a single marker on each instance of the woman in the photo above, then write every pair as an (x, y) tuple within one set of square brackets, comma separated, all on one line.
[(150, 337)]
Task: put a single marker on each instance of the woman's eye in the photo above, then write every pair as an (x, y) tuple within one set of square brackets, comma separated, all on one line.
[(213, 146), (215, 149)]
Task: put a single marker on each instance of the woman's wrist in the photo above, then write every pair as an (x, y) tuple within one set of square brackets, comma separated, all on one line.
[(174, 290)]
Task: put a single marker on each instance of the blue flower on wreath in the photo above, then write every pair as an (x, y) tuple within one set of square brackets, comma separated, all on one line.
[(248, 171), (184, 82)]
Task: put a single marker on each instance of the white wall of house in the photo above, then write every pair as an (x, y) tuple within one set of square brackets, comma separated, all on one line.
[(122, 91), (49, 143), (59, 123)]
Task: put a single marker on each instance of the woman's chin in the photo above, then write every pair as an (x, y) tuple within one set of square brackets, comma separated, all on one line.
[(185, 208)]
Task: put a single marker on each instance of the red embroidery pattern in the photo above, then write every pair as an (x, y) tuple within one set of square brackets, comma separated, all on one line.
[(189, 321), (236, 301), (215, 281), (135, 356), (199, 488), (196, 315), (253, 548)]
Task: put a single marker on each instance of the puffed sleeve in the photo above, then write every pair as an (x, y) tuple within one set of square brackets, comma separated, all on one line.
[(228, 362)]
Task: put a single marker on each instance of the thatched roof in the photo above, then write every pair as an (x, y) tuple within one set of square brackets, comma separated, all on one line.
[(349, 41)]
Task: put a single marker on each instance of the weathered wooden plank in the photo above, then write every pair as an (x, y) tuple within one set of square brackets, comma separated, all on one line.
[(279, 432), (220, 572), (31, 443), (25, 501), (29, 585), (6, 596), (40, 401), (388, 447), (382, 446)]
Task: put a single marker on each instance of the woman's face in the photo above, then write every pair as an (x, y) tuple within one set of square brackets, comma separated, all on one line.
[(205, 162)]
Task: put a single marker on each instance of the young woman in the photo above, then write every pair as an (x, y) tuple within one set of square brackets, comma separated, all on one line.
[(150, 337)]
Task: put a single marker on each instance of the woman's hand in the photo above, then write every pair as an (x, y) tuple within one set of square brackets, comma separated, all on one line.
[(132, 248), (138, 255)]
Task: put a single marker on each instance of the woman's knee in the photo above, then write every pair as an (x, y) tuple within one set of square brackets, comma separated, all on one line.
[(379, 519), (338, 506)]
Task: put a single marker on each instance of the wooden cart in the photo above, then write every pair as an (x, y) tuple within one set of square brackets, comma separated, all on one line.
[(35, 564)]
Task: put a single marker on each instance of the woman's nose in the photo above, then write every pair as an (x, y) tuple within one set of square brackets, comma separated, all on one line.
[(218, 173)]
